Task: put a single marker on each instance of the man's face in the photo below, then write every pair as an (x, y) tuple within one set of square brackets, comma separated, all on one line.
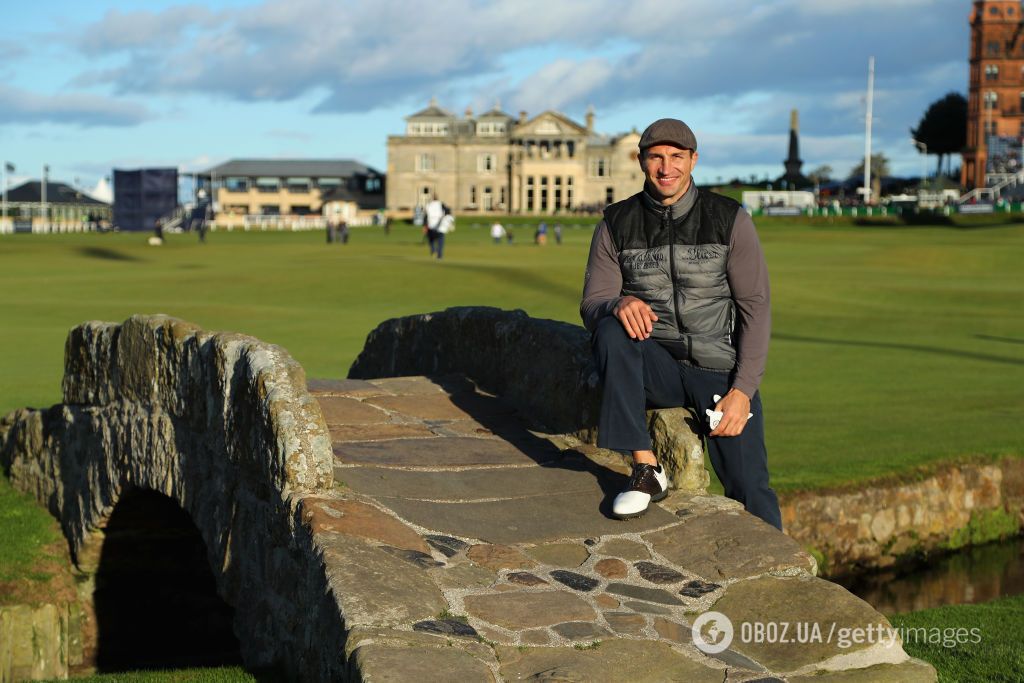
[(668, 170)]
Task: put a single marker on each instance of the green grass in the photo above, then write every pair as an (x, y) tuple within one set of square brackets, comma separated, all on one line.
[(26, 529), (894, 348), (219, 675), (997, 626)]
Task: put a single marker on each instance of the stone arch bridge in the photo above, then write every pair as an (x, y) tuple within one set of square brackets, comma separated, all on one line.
[(439, 515)]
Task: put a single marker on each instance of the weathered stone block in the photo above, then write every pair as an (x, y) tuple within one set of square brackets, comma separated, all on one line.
[(679, 448)]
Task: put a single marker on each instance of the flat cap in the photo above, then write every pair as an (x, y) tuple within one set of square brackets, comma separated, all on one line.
[(668, 132)]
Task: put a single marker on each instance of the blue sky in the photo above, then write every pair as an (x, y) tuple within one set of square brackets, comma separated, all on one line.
[(89, 86)]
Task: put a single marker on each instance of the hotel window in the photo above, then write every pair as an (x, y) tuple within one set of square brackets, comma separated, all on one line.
[(236, 184), (991, 100), (991, 72), (488, 199), (425, 162), (529, 193), (300, 210), (270, 209), (299, 184), (268, 184), (543, 193), (485, 163), (599, 167), (609, 195), (328, 183), (472, 195), (992, 48), (371, 185)]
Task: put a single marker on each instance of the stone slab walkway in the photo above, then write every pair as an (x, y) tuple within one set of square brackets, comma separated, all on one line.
[(465, 547)]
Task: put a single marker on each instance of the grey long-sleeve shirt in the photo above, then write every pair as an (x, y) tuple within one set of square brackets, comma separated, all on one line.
[(747, 273)]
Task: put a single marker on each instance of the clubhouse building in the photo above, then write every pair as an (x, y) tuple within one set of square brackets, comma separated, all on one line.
[(291, 193), (497, 163)]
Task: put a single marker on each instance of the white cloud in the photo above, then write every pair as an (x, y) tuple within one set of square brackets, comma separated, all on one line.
[(21, 106)]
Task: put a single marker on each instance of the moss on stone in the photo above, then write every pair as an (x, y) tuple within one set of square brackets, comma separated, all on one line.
[(983, 527), (819, 557)]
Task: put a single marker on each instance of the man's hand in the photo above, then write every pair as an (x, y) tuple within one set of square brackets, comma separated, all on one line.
[(637, 317), (735, 407)]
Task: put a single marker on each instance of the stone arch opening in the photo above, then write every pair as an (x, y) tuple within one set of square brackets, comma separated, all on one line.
[(155, 597)]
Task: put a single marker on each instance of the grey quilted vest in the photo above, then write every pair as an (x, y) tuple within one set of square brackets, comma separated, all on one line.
[(679, 268)]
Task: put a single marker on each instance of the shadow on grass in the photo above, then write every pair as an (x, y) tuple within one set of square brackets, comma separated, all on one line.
[(106, 254), (952, 353), (938, 220), (1006, 340), (523, 278)]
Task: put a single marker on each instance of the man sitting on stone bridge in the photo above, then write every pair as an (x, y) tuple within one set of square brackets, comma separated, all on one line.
[(676, 298)]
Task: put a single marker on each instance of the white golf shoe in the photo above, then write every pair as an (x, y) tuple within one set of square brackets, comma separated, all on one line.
[(648, 484)]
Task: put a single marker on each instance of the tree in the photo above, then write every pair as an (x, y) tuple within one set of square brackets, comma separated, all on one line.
[(822, 174), (879, 167), (943, 128)]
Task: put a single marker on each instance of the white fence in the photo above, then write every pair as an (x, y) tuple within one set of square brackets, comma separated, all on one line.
[(284, 223), (52, 227)]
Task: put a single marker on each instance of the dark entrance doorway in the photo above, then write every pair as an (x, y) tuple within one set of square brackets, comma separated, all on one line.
[(155, 598)]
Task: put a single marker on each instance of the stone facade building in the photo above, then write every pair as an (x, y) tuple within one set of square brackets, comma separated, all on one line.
[(496, 163), (995, 104)]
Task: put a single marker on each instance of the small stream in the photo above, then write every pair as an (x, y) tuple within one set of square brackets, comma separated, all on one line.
[(972, 575)]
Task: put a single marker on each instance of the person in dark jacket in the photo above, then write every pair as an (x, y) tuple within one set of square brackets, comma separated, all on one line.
[(676, 297)]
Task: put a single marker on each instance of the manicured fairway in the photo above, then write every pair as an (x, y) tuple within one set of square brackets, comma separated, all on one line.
[(893, 347)]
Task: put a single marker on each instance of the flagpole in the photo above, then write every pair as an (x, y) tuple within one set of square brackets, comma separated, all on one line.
[(3, 220), (46, 172), (867, 131)]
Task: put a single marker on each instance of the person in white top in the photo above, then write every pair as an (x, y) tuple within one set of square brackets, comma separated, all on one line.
[(434, 213), (446, 226), (497, 232)]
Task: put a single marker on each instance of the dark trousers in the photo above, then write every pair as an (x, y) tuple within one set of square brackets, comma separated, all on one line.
[(641, 374)]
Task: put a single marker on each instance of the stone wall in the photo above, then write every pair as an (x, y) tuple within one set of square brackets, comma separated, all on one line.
[(222, 424), (878, 525), (39, 641), (543, 367), (866, 527)]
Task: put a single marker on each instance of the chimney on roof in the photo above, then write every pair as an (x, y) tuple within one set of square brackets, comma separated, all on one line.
[(590, 119), (522, 116)]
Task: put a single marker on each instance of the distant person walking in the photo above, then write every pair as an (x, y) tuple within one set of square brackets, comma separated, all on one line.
[(445, 226), (497, 232), (541, 236), (433, 214), (558, 233)]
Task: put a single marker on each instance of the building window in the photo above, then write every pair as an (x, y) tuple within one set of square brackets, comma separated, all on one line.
[(300, 210), (992, 48), (529, 193), (488, 199), (426, 192), (991, 72), (299, 184), (994, 11), (558, 193), (490, 129), (485, 163), (472, 195), (543, 193), (236, 184), (599, 167), (372, 185), (270, 210), (428, 129), (425, 162), (609, 195), (328, 183), (570, 148), (268, 184), (501, 196), (991, 99)]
